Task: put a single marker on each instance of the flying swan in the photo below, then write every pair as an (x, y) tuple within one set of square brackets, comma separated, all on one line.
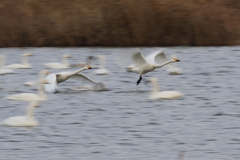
[(144, 65), (23, 121), (56, 78), (25, 63), (156, 94), (57, 65)]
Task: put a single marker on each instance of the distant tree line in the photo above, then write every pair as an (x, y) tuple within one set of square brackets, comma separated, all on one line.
[(119, 23)]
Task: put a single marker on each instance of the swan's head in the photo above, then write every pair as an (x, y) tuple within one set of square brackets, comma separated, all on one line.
[(88, 67), (67, 56), (27, 54), (176, 60)]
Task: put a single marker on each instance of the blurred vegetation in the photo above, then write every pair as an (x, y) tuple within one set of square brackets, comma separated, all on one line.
[(119, 22)]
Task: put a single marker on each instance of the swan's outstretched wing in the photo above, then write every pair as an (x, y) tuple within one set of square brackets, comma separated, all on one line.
[(52, 80), (123, 58), (83, 78), (157, 57), (138, 59)]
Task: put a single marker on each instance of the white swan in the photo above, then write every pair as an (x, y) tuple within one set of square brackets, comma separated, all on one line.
[(25, 63), (23, 121), (57, 65), (101, 69), (142, 65), (156, 94), (42, 75), (3, 70), (55, 78), (41, 96)]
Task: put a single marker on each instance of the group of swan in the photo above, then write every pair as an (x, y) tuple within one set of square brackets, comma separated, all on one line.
[(48, 82), (33, 99), (142, 65)]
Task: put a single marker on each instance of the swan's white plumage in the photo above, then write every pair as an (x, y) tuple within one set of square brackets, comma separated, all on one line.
[(56, 78), (101, 69), (23, 121), (156, 94), (57, 65), (25, 63)]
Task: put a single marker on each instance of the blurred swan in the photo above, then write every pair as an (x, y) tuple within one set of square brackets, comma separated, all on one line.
[(23, 121), (143, 65), (57, 65), (41, 96), (3, 70), (42, 75), (25, 63), (55, 78), (89, 61), (156, 94), (101, 69)]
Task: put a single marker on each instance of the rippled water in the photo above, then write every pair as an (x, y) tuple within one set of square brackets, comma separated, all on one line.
[(122, 123)]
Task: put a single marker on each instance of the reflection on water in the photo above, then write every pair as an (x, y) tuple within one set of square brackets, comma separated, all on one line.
[(121, 122)]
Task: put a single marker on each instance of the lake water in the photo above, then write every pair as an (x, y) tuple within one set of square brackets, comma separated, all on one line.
[(122, 123)]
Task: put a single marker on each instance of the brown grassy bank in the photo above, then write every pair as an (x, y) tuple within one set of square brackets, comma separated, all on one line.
[(119, 22)]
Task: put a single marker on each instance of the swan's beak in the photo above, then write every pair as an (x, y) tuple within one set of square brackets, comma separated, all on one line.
[(176, 60), (88, 67)]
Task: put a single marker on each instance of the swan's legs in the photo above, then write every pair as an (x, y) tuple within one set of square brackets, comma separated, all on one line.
[(139, 80)]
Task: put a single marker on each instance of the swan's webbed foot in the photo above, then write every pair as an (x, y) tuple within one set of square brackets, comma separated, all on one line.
[(139, 80)]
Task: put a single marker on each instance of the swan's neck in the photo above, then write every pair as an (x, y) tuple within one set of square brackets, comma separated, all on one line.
[(65, 61), (155, 87), (41, 92), (102, 62), (29, 111), (77, 71), (163, 64), (2, 62), (25, 60)]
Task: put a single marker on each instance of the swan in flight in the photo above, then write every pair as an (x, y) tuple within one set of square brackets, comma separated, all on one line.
[(25, 63), (41, 96), (23, 121), (144, 65), (57, 65), (156, 94), (101, 69), (56, 78)]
